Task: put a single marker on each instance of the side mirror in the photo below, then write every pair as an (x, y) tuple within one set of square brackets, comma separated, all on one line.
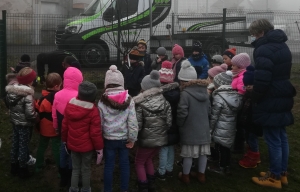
[(168, 26)]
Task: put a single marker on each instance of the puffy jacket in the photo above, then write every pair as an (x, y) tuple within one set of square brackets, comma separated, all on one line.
[(171, 93), (157, 65), (81, 126), (226, 104), (193, 112), (72, 79), (238, 84), (21, 104), (272, 90), (44, 107), (133, 76), (203, 63), (118, 120), (154, 117)]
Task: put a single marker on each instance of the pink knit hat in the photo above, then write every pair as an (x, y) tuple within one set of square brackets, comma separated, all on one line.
[(177, 49), (217, 69), (166, 72), (241, 60)]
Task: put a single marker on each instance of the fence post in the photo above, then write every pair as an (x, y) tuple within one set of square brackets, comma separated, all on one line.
[(173, 23), (3, 54), (224, 29)]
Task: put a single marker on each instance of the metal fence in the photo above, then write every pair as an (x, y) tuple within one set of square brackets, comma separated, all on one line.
[(94, 39)]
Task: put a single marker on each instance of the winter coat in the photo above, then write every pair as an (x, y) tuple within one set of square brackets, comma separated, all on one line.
[(157, 65), (147, 63), (176, 67), (81, 126), (72, 79), (272, 90), (44, 108), (171, 93), (133, 76), (226, 104), (154, 116), (21, 104), (203, 63), (192, 113), (118, 120), (238, 84)]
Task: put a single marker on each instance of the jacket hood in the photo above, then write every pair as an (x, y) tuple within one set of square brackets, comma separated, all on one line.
[(171, 91), (230, 96), (78, 109), (16, 91), (113, 104), (196, 88), (151, 99), (169, 86), (273, 36), (72, 78)]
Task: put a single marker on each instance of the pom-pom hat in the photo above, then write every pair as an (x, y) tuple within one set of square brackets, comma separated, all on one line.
[(114, 76), (151, 80), (177, 49), (224, 78), (230, 52), (217, 69), (166, 72), (187, 72)]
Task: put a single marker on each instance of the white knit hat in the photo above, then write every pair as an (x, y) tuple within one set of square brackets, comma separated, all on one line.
[(114, 76), (187, 72)]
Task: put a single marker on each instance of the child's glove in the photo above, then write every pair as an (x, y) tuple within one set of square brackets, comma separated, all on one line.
[(99, 156), (66, 148)]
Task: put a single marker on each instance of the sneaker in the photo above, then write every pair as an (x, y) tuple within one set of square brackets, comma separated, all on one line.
[(31, 160), (269, 180), (169, 173), (283, 178), (220, 170), (160, 176)]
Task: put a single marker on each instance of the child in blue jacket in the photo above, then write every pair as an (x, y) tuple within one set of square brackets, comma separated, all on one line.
[(199, 60)]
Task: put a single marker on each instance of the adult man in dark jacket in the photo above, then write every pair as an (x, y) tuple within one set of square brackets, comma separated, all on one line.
[(273, 97), (54, 60)]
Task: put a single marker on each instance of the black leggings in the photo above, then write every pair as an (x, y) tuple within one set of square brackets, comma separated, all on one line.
[(222, 154)]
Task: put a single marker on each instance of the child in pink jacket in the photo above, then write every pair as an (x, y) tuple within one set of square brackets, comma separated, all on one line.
[(239, 64), (72, 78)]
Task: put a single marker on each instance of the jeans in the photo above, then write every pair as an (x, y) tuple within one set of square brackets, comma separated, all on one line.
[(65, 159), (143, 162), (43, 144), (111, 147), (20, 145), (278, 148), (252, 141), (166, 159), (81, 164)]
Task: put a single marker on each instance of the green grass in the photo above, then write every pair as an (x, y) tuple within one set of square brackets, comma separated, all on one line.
[(47, 180)]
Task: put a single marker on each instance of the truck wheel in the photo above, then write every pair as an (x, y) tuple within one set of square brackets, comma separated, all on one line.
[(93, 55), (215, 48)]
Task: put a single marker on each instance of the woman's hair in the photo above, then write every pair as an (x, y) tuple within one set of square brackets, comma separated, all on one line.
[(53, 79), (259, 26)]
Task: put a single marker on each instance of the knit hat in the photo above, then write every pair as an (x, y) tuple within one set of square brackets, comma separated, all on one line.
[(114, 76), (177, 49), (241, 60), (224, 78), (27, 79), (217, 69), (87, 91), (151, 80), (142, 41), (134, 54), (187, 72), (218, 59), (197, 46), (230, 52), (248, 78), (25, 58), (161, 51), (166, 72)]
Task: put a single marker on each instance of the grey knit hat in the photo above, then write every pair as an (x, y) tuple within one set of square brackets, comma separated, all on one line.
[(161, 51), (151, 80), (187, 72), (217, 59), (224, 78), (87, 91)]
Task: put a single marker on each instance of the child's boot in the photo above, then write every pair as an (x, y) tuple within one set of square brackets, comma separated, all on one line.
[(269, 180), (184, 178), (14, 169), (63, 177), (283, 178), (151, 183), (201, 177), (143, 186), (250, 159)]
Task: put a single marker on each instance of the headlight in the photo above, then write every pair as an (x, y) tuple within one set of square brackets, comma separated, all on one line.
[(72, 29)]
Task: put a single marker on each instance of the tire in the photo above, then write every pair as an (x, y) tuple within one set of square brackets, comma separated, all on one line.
[(93, 55), (214, 48)]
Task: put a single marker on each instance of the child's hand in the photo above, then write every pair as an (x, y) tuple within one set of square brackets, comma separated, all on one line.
[(99, 156), (129, 144)]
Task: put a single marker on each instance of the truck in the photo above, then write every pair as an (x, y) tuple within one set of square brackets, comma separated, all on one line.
[(92, 36)]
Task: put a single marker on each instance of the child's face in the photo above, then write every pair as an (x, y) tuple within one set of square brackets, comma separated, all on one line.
[(177, 56), (234, 67), (141, 48), (196, 52), (161, 57), (227, 60)]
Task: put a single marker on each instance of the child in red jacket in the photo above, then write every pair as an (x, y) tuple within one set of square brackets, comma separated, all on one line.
[(81, 133)]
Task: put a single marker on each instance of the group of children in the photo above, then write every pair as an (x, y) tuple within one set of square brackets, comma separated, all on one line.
[(178, 101)]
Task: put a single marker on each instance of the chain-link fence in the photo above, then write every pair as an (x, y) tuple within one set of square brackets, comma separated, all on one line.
[(96, 37)]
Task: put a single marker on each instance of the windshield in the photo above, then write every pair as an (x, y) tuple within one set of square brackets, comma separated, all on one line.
[(95, 6), (124, 7)]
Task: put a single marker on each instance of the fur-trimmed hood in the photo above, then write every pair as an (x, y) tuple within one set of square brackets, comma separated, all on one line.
[(200, 82), (196, 88), (114, 105), (169, 86), (146, 94), (18, 89)]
